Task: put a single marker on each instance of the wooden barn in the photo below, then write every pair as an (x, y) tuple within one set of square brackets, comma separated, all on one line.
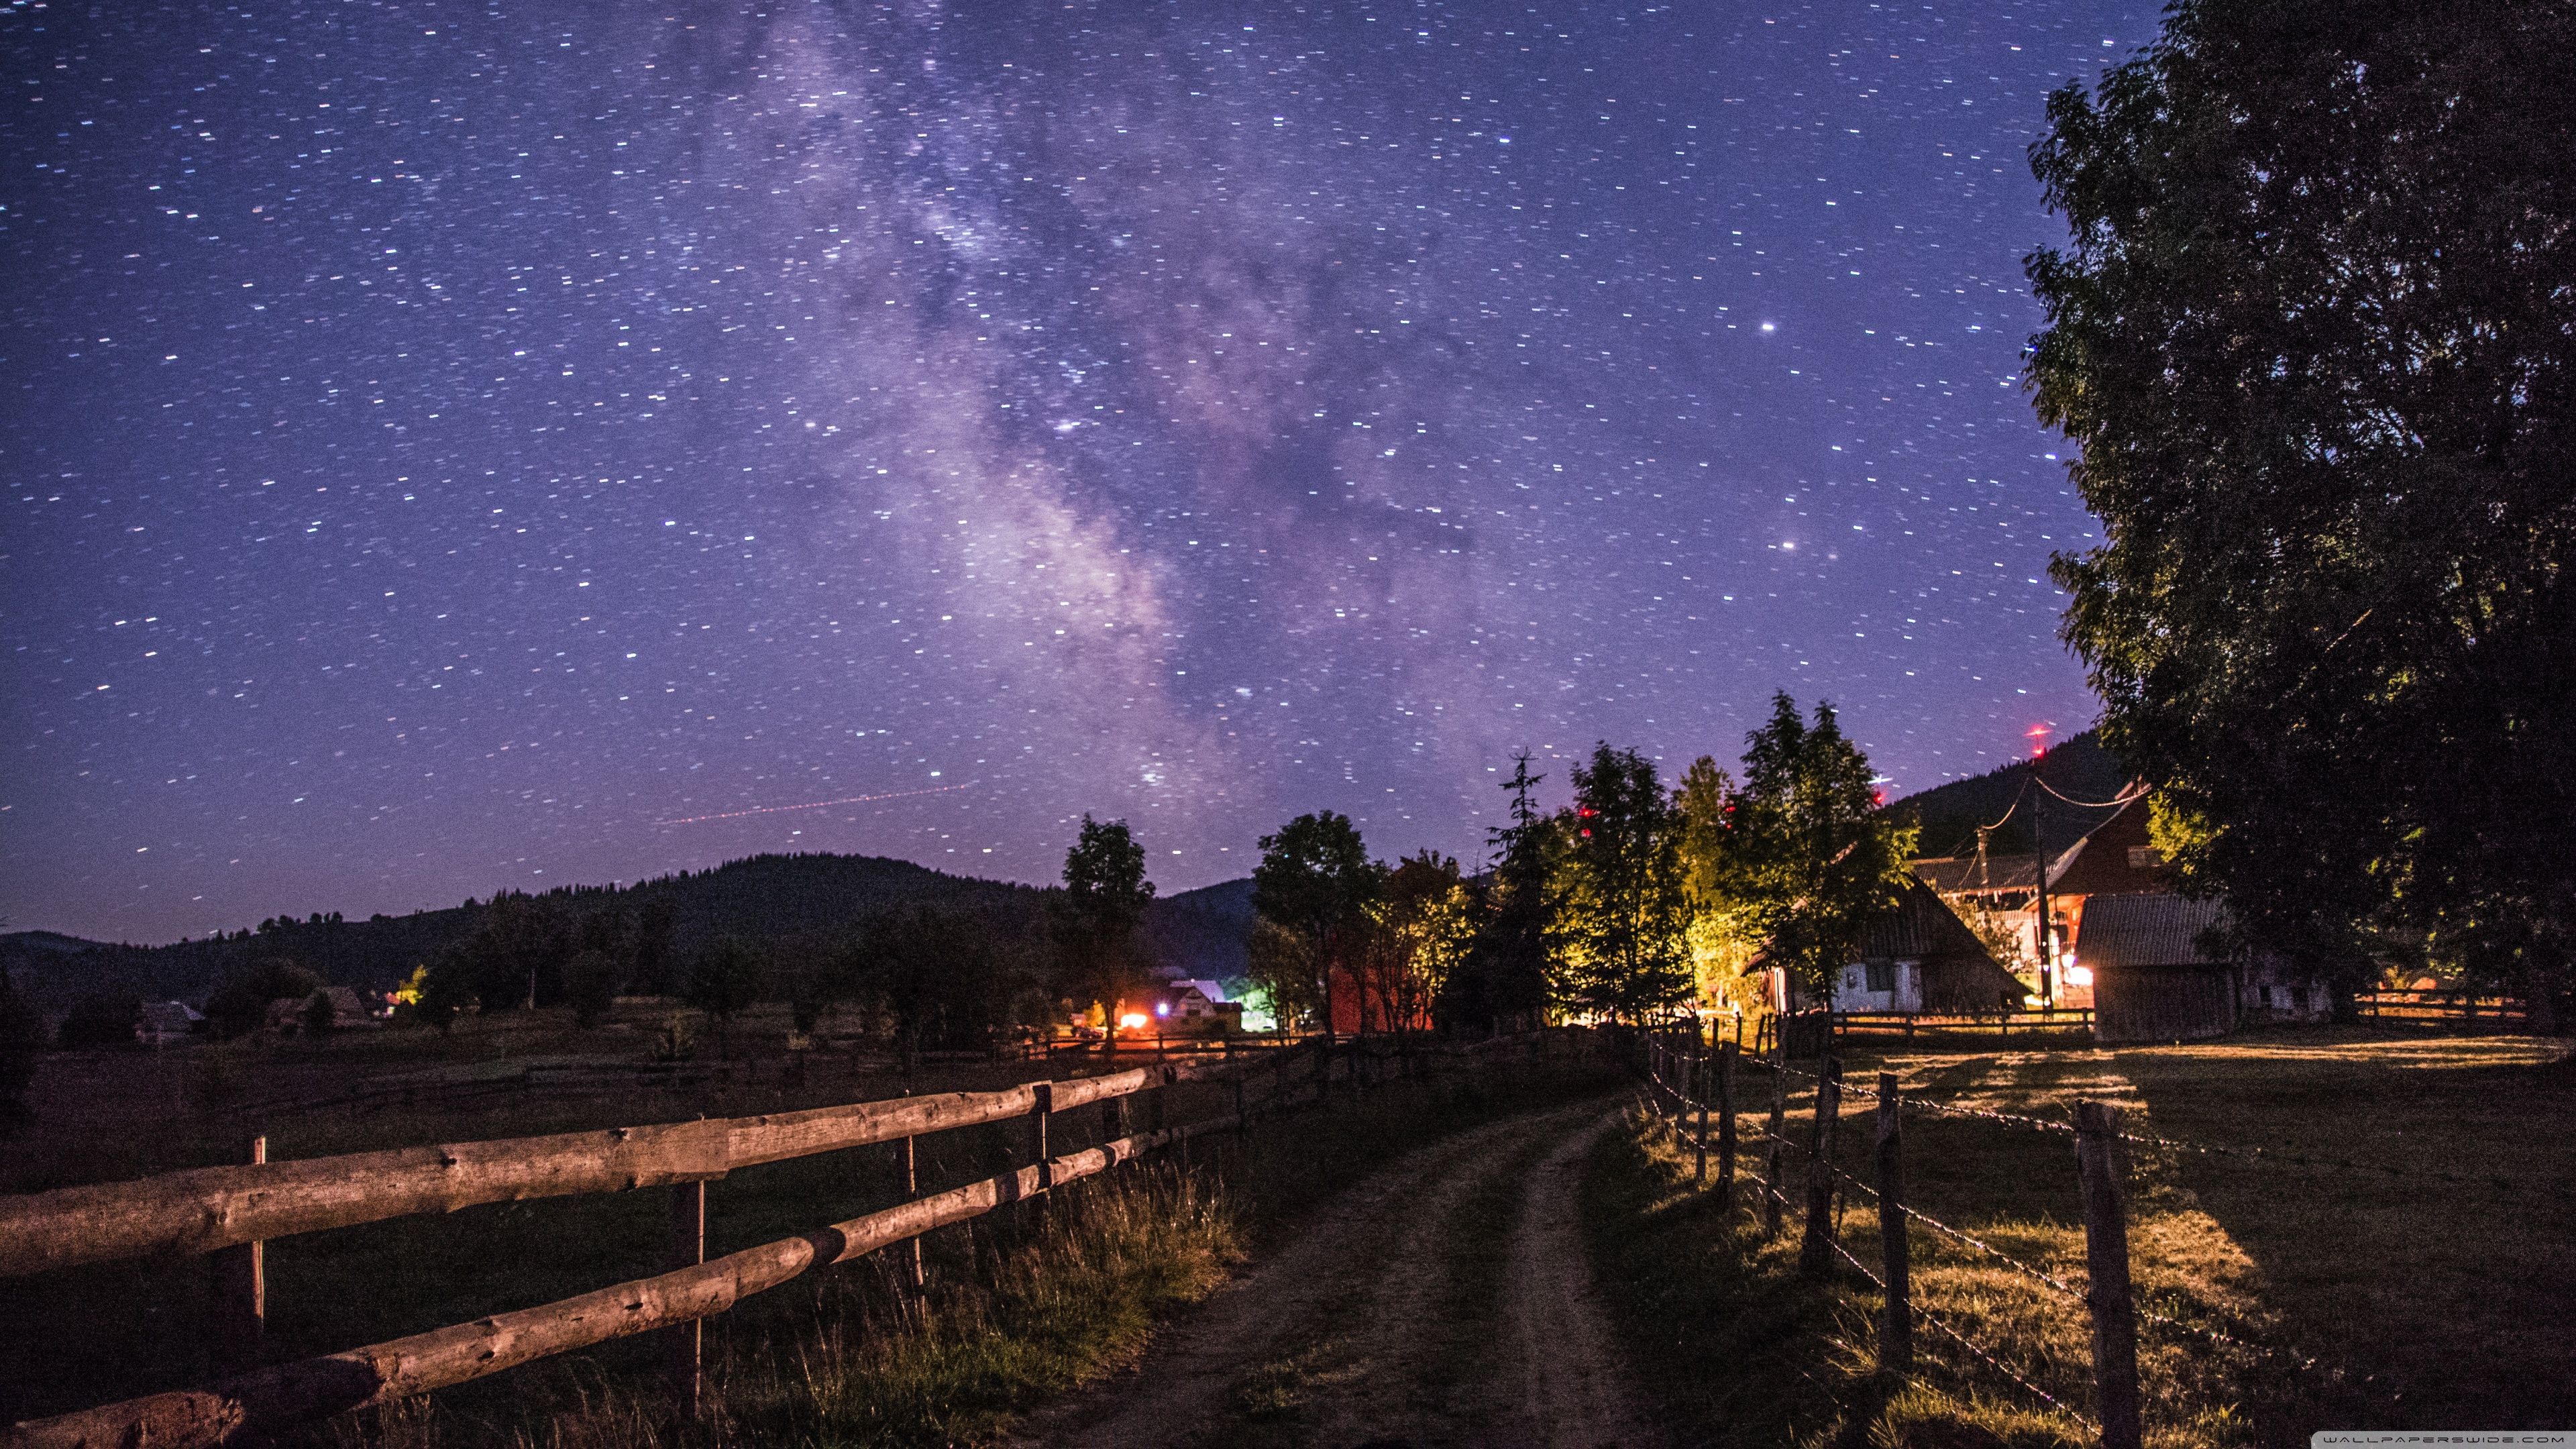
[(1918, 956), (2153, 981)]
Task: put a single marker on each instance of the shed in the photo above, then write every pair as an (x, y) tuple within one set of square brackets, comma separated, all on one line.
[(2154, 981)]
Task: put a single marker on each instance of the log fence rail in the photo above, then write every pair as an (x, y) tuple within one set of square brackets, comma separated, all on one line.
[(233, 1210)]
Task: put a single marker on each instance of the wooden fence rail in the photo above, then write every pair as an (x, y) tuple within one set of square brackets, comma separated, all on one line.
[(220, 1208), (216, 1207)]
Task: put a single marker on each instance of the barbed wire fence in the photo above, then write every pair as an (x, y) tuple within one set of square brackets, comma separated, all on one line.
[(1698, 1082)]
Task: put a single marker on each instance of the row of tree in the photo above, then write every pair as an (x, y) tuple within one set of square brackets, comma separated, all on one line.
[(1631, 902)]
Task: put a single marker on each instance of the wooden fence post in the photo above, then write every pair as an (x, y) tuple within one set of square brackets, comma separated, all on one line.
[(241, 1295), (682, 1343), (1896, 1325), (1772, 1146), (2106, 1258), (1726, 1126), (911, 1193), (1045, 1093), (1700, 1076), (1816, 1253)]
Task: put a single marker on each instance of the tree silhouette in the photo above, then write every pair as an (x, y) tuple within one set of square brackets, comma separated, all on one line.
[(1105, 895), (2312, 337), (723, 980), (1313, 879), (1806, 856)]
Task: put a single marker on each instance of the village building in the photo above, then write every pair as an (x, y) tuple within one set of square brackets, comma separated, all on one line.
[(1196, 1008), (2155, 980), (164, 1022), (286, 1015), (1918, 956)]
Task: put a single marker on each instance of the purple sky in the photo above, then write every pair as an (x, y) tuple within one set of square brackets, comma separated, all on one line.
[(446, 443)]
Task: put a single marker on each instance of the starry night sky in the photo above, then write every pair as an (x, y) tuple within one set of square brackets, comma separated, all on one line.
[(446, 444)]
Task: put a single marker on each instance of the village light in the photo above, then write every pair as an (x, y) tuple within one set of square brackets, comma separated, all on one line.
[(2079, 975), (1132, 1019), (1162, 1008)]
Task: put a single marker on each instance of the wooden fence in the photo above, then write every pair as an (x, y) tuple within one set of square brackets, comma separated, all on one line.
[(1808, 1034), (230, 1211), (1687, 1079), (2443, 1008)]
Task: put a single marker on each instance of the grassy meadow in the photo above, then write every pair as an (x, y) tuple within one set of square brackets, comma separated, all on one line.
[(2417, 1283)]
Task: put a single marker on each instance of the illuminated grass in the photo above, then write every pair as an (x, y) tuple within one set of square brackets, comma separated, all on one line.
[(2360, 1298)]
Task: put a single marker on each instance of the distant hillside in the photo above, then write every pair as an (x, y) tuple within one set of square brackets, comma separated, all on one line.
[(2079, 769), (1204, 933), (800, 904)]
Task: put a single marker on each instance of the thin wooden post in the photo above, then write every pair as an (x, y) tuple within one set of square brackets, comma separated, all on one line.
[(1816, 1253), (682, 1343), (1896, 1322), (1771, 1147), (1699, 1080), (1045, 1093), (241, 1295), (2106, 1258), (912, 1192), (1726, 1126)]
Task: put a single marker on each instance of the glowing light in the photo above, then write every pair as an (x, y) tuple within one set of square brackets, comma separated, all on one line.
[(2079, 975), (1133, 1020), (1162, 1008), (2038, 736)]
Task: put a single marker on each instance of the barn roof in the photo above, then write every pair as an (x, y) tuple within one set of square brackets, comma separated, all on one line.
[(1918, 927), (2144, 929)]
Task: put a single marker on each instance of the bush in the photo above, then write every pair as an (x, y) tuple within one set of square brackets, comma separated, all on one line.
[(22, 1037), (101, 1018), (590, 983), (240, 1004)]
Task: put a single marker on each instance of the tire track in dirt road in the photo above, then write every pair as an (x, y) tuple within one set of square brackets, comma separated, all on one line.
[(1445, 1301)]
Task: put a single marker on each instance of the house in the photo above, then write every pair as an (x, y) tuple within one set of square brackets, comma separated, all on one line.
[(1194, 1007), (1918, 956), (167, 1021), (286, 1013), (2154, 980), (2116, 857)]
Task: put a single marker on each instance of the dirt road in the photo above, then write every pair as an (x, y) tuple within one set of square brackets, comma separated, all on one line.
[(1447, 1301)]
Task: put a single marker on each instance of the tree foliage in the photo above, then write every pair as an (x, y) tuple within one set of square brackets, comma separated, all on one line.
[(1622, 915), (239, 1005), (1313, 880), (1104, 901), (1799, 859), (1505, 980), (2313, 334)]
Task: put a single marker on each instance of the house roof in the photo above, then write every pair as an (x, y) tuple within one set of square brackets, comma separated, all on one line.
[(1919, 926), (1966, 875), (2146, 929)]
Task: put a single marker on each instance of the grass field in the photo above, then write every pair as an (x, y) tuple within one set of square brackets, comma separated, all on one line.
[(2424, 1285), (1016, 1309)]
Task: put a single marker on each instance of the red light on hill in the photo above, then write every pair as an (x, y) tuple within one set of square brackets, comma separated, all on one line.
[(2038, 736)]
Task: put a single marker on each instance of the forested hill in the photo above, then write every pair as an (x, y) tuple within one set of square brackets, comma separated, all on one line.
[(2079, 769), (799, 903)]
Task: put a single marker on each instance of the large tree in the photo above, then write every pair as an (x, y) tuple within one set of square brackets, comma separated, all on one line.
[(1623, 910), (1804, 856), (2313, 336), (1313, 880), (1105, 895)]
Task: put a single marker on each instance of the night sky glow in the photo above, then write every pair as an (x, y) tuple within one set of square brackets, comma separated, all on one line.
[(452, 447)]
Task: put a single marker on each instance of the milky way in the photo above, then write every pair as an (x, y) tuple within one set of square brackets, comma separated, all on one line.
[(457, 447)]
